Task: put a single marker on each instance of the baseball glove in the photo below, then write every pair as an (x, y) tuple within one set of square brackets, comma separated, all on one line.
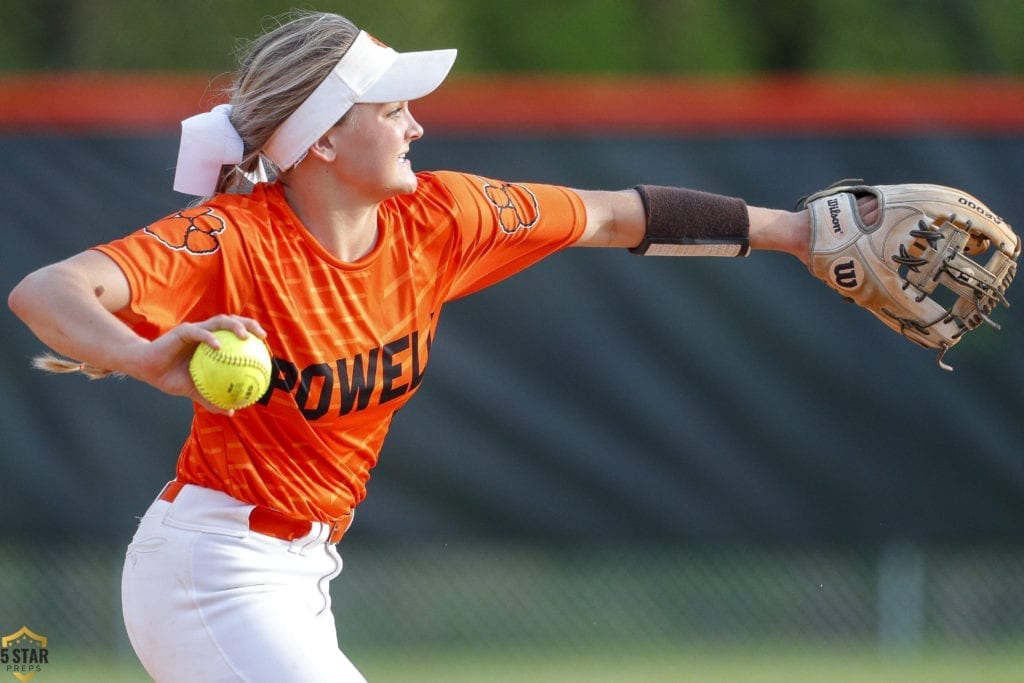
[(918, 266)]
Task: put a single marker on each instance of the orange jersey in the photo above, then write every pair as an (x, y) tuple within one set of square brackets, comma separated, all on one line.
[(350, 341)]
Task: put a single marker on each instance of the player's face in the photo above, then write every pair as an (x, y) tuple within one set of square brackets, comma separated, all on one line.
[(373, 144)]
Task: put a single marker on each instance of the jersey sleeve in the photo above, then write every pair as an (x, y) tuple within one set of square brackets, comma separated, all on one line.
[(184, 267), (502, 228)]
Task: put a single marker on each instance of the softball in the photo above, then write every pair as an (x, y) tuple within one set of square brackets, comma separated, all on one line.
[(234, 376)]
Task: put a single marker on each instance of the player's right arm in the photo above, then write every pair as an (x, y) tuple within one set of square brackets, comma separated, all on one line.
[(70, 306)]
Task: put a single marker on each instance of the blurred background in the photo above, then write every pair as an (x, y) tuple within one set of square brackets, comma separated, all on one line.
[(617, 469)]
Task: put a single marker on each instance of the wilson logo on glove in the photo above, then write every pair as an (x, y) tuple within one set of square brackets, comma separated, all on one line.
[(833, 214), (845, 274)]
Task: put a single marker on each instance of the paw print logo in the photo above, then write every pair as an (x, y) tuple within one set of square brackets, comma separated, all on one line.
[(517, 207), (192, 230)]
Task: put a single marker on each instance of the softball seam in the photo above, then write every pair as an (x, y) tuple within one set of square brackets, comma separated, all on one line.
[(219, 356)]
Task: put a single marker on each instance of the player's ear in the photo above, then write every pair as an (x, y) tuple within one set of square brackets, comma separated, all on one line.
[(324, 148)]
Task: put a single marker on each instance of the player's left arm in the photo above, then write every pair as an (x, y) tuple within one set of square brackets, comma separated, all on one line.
[(618, 219), (614, 219)]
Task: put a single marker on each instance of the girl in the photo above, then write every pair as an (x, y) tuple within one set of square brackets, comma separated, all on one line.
[(316, 235)]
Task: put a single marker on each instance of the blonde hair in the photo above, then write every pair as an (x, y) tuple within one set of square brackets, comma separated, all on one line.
[(277, 71), (54, 364)]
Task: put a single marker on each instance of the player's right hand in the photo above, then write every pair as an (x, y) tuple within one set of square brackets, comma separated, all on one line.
[(163, 362)]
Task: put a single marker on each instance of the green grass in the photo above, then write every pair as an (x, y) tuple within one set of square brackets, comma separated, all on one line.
[(803, 664), (734, 665), (83, 669)]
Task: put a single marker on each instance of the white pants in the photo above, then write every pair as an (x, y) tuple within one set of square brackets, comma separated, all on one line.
[(207, 600)]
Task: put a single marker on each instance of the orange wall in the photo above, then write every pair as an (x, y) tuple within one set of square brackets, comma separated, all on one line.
[(94, 102)]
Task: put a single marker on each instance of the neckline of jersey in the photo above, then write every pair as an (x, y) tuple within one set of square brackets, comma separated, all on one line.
[(279, 199)]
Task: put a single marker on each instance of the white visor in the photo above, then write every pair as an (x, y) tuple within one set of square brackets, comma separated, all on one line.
[(369, 72)]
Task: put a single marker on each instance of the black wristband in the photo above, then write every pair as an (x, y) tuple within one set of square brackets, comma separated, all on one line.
[(683, 222)]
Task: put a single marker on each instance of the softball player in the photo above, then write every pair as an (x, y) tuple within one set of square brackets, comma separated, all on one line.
[(316, 234)]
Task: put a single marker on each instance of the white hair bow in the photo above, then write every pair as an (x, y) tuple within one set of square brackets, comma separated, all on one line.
[(208, 142)]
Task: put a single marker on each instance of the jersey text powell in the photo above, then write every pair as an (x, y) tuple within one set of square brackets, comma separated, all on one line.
[(378, 375)]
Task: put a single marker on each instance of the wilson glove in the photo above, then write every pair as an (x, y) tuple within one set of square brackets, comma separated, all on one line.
[(932, 266)]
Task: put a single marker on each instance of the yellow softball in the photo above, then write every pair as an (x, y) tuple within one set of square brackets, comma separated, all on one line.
[(234, 376)]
